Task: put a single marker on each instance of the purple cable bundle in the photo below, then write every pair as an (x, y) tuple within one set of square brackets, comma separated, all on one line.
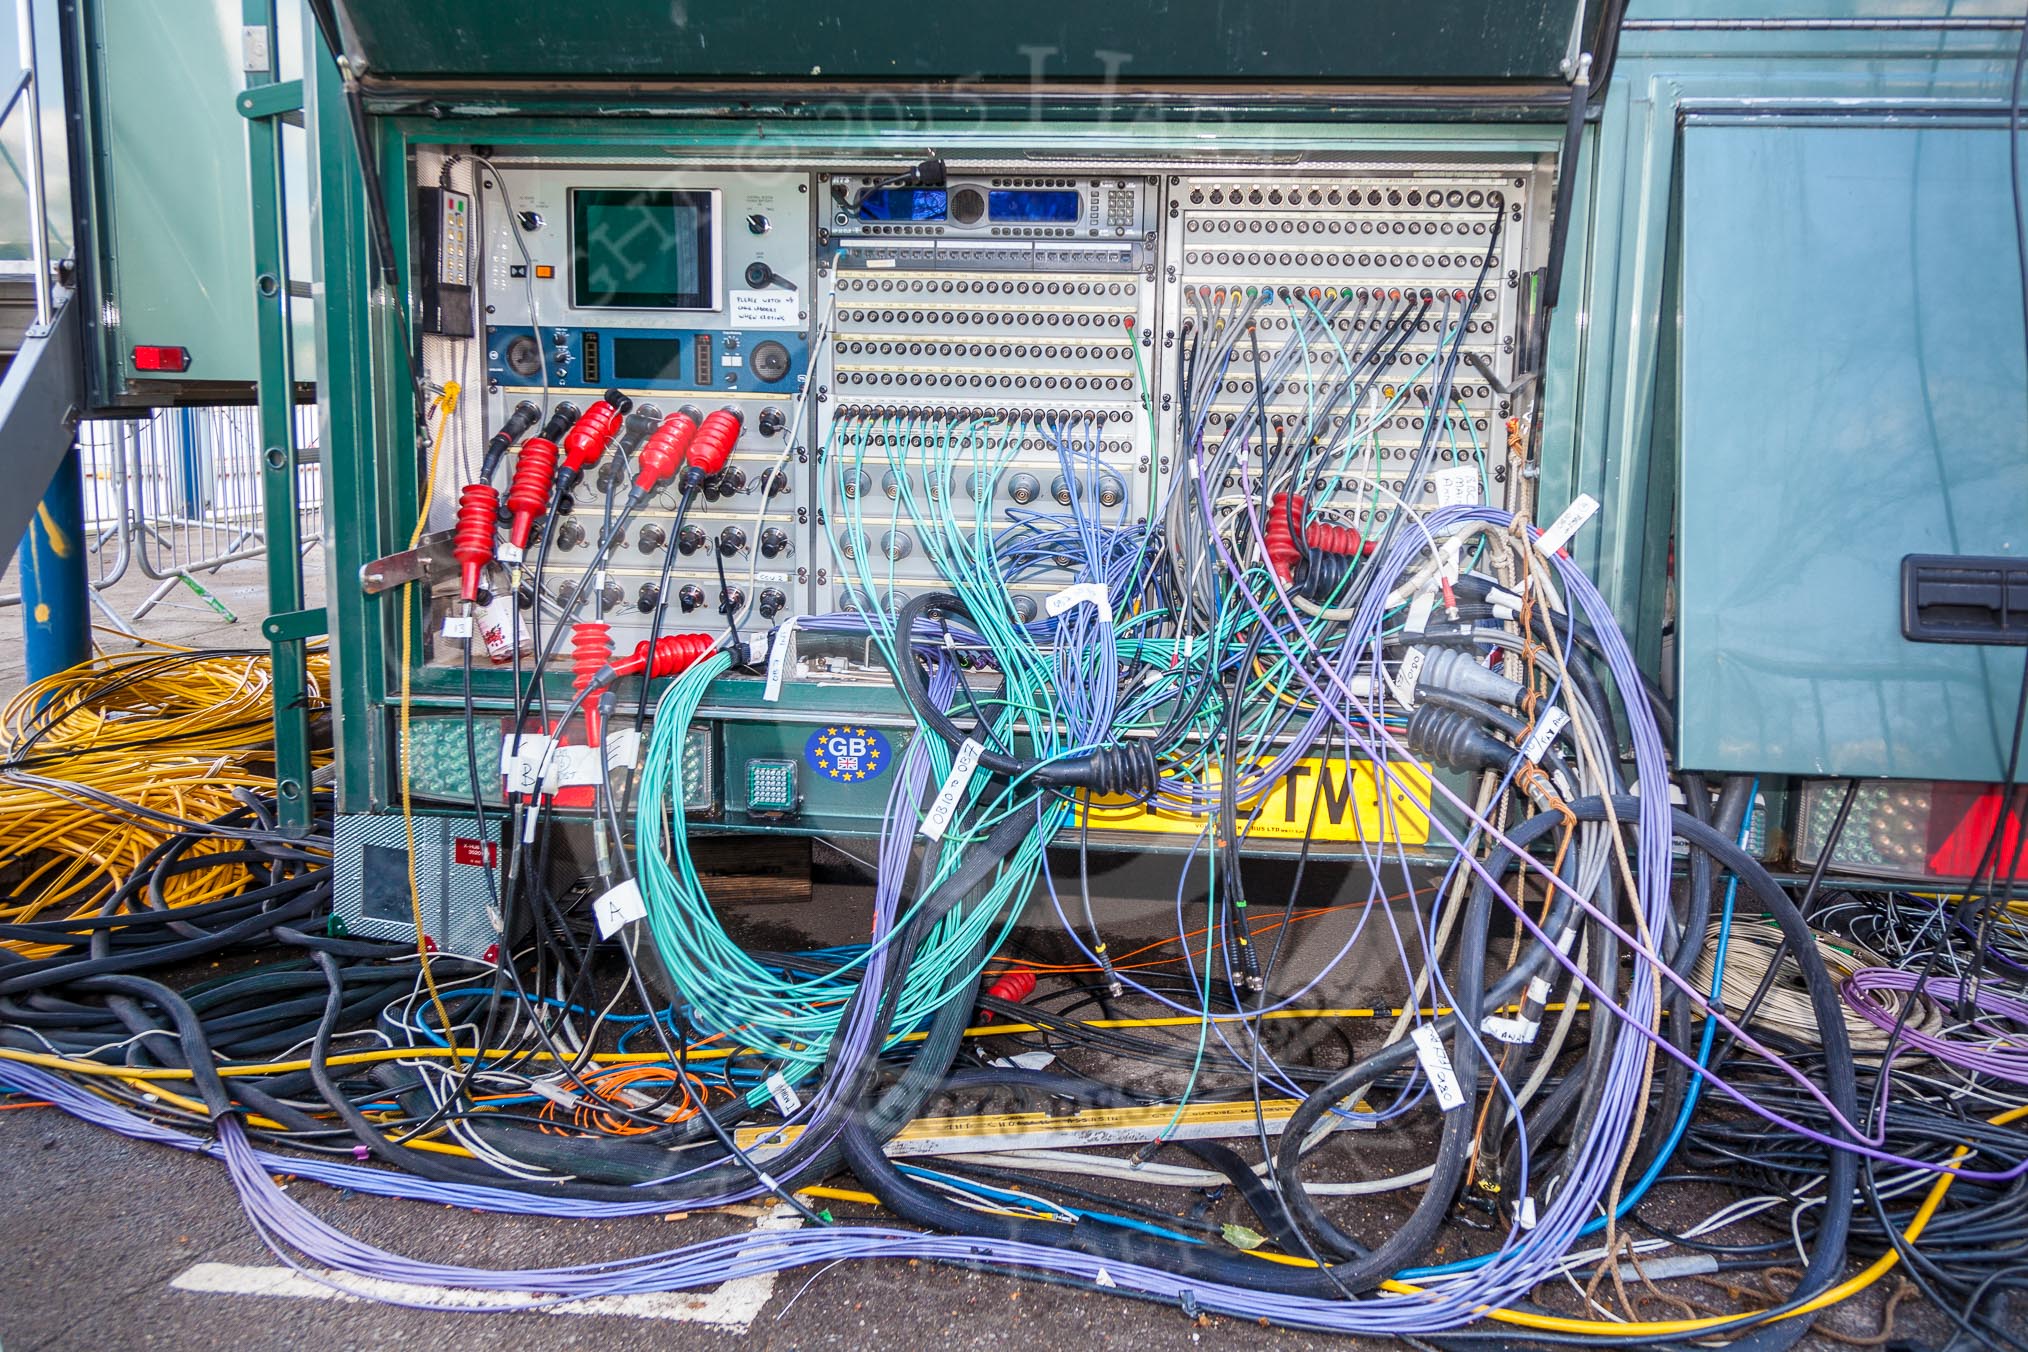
[(2002, 1052)]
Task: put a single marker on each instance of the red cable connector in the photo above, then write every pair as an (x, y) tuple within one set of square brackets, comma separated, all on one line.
[(592, 436), (712, 446), (1330, 539), (1014, 987), (472, 543), (674, 654), (663, 451), (528, 494), (591, 652), (1278, 536)]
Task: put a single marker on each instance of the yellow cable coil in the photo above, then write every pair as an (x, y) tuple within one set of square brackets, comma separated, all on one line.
[(171, 730)]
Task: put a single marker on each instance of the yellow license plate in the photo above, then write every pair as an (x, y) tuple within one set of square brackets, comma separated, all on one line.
[(1327, 800)]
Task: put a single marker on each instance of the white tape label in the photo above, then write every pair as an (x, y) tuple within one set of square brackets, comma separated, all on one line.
[(508, 554), (1418, 612), (938, 820), (619, 906), (1404, 679), (781, 659), (774, 308), (1078, 594), (623, 748), (457, 626), (1552, 723), (787, 1100), (521, 768), (1436, 1064), (574, 767), (1560, 530), (1456, 484), (1508, 1030)]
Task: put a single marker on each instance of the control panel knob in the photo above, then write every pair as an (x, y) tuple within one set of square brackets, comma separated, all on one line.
[(1024, 488), (730, 600), (771, 602), (569, 535), (759, 274), (731, 540), (523, 356), (650, 597), (690, 539), (757, 224), (773, 541), (529, 221), (690, 596), (769, 361), (1024, 608), (611, 594), (653, 537), (770, 422)]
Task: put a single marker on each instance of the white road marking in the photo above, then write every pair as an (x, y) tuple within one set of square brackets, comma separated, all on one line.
[(729, 1307)]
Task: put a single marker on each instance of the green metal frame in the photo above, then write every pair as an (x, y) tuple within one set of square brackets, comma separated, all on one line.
[(1611, 410), (289, 627), (1608, 425), (371, 496)]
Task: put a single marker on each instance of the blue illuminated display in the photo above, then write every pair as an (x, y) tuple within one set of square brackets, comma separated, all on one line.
[(904, 204), (1029, 205)]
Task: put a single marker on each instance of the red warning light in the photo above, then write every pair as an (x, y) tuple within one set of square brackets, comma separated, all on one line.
[(170, 360)]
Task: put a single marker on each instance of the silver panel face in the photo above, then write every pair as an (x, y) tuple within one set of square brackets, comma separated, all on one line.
[(982, 377), (983, 361), (1357, 249)]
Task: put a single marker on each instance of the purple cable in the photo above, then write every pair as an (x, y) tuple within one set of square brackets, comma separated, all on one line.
[(2002, 1062)]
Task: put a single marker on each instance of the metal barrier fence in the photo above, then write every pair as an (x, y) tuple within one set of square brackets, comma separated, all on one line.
[(176, 496)]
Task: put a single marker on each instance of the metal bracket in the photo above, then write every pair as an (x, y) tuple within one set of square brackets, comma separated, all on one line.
[(291, 625), (429, 561), (1477, 361), (270, 100)]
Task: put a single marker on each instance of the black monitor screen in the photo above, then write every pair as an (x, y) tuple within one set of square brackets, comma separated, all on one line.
[(641, 249)]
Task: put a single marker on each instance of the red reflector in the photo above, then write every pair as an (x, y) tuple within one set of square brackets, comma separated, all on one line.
[(162, 359)]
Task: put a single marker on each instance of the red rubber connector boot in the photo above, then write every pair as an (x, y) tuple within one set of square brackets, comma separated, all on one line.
[(591, 437), (591, 653), (1015, 986), (472, 542), (1331, 539), (664, 450), (712, 446), (528, 494), (674, 654), (1278, 535)]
